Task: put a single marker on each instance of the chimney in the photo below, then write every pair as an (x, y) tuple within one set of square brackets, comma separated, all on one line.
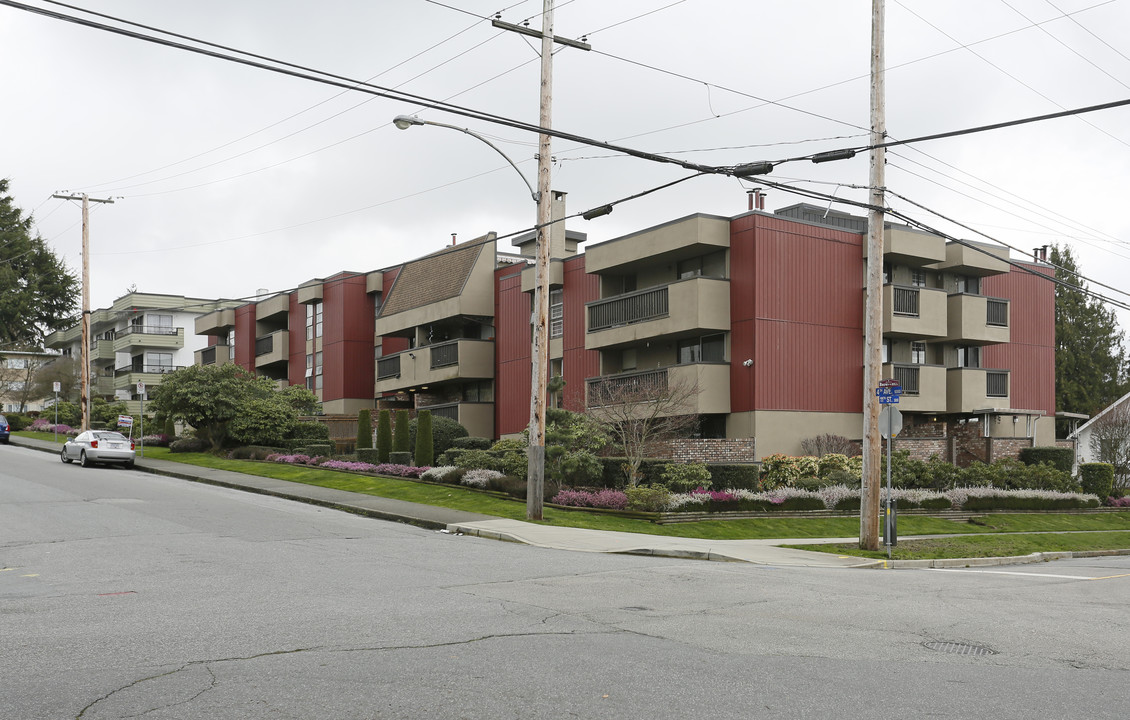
[(1035, 254), (756, 199), (453, 239), (1044, 253)]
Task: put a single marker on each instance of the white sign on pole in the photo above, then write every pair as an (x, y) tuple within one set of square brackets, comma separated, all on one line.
[(141, 388), (57, 386)]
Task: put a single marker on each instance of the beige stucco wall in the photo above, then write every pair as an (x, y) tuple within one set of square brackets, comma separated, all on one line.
[(694, 234), (781, 431)]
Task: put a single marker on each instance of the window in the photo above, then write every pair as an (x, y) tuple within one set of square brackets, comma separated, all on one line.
[(313, 320), (918, 353), (310, 372), (710, 265), (158, 362), (161, 321), (317, 371), (887, 270), (968, 357), (709, 348), (231, 337), (918, 278), (971, 285), (309, 322), (556, 313), (628, 360), (482, 391), (887, 350)]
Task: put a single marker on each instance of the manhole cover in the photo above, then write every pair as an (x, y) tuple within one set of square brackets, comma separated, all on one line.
[(957, 648)]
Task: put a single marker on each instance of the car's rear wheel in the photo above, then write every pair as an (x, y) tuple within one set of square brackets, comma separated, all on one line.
[(82, 460), (63, 456)]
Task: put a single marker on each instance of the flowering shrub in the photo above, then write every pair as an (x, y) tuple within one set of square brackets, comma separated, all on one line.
[(609, 499), (480, 478), (1119, 501), (784, 471), (441, 474), (409, 471), (159, 440), (45, 425), (991, 498), (297, 459)]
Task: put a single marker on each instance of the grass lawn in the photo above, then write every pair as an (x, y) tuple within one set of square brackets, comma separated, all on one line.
[(998, 545), (1100, 529)]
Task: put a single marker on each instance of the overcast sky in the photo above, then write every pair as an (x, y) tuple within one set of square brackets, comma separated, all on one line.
[(228, 178)]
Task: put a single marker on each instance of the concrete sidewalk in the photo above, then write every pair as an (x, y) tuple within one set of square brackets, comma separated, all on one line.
[(761, 552)]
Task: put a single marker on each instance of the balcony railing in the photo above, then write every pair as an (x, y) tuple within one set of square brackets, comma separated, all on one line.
[(628, 387), (908, 377), (264, 345), (147, 330), (996, 384), (443, 355), (450, 411), (152, 369), (627, 309), (997, 313), (208, 356), (906, 301), (388, 367)]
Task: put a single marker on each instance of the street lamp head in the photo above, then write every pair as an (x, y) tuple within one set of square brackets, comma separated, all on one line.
[(406, 121)]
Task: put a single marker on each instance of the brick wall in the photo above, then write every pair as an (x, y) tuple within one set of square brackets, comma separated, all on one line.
[(1008, 447), (924, 448), (714, 450)]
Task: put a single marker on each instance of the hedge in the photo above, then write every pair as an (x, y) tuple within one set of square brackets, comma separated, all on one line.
[(1061, 458), (731, 476), (1097, 478)]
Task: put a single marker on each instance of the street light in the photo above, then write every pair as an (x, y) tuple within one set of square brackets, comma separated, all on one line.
[(539, 359), (406, 121)]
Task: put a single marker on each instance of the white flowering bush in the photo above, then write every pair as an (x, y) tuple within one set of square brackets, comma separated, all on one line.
[(480, 478), (440, 474)]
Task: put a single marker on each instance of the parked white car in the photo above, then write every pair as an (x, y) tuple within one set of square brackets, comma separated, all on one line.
[(99, 446)]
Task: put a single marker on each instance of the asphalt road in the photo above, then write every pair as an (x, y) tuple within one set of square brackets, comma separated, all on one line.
[(128, 595)]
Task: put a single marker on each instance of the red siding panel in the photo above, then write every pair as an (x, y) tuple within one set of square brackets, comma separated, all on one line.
[(511, 353), (1030, 353), (296, 326), (347, 340), (579, 364), (245, 337), (796, 310)]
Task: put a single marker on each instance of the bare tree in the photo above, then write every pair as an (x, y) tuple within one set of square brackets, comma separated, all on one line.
[(1110, 442), (826, 444), (642, 410), (18, 373)]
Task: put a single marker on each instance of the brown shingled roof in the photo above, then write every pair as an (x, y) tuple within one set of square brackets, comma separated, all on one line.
[(432, 278)]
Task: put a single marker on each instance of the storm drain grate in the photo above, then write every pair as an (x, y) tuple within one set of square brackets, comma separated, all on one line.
[(957, 648)]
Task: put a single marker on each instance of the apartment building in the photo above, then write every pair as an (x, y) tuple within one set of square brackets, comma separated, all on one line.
[(139, 338), (319, 335), (760, 313), (18, 373)]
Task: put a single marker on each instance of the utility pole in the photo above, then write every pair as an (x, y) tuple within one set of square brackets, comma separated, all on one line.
[(873, 320), (539, 360), (84, 397)]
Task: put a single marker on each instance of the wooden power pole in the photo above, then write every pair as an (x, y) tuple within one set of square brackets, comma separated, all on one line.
[(873, 320), (539, 360), (84, 397)]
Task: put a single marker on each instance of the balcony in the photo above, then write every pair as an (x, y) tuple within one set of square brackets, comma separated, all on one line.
[(708, 385), (464, 359), (686, 307), (904, 246), (477, 417), (127, 377), (273, 348), (277, 306), (102, 350), (148, 336), (213, 355), (914, 312), (923, 386), (670, 242), (966, 260), (215, 323), (970, 389), (976, 319)]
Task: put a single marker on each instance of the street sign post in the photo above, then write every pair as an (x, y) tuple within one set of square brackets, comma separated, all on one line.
[(891, 419), (141, 433)]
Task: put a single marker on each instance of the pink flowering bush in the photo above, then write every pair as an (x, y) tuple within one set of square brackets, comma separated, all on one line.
[(158, 440), (608, 499), (408, 471), (1118, 502), (46, 426)]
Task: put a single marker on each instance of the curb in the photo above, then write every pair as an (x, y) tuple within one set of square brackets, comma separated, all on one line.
[(942, 563)]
